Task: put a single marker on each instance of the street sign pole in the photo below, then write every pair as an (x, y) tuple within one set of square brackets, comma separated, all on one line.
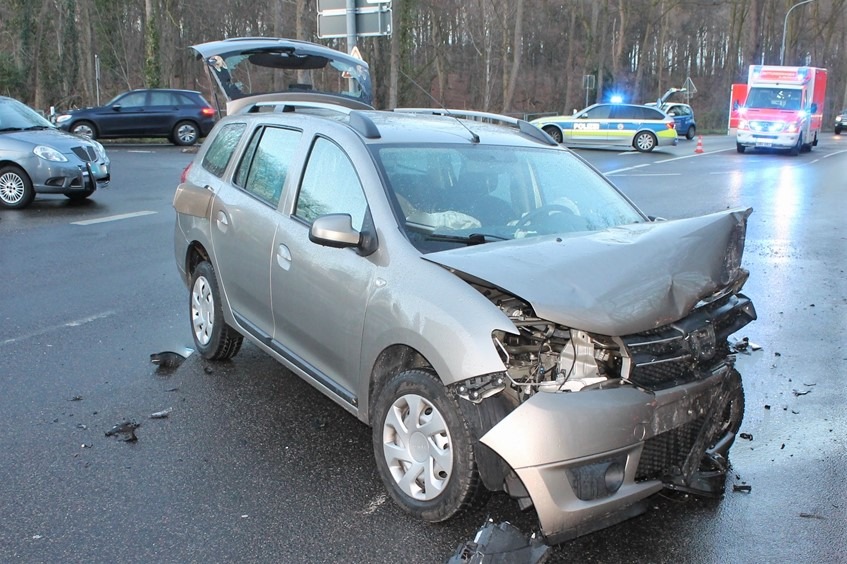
[(351, 25)]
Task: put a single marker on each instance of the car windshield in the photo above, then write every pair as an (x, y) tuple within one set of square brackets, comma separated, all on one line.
[(15, 116), (774, 98), (453, 195)]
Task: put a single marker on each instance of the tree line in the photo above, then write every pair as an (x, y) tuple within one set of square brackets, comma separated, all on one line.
[(522, 57)]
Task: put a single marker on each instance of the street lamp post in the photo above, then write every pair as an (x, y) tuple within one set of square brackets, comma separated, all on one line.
[(785, 26)]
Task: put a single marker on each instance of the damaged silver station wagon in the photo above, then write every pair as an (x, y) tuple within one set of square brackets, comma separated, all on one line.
[(498, 312)]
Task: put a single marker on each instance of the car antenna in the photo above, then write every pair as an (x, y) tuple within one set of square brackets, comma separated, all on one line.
[(474, 136)]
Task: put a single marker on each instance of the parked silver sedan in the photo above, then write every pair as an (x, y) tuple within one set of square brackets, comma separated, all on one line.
[(36, 157), (500, 314)]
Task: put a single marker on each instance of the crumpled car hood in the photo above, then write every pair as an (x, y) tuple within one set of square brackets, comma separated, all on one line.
[(614, 282)]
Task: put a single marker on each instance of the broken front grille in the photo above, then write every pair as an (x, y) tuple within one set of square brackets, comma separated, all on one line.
[(665, 454), (86, 154), (687, 350)]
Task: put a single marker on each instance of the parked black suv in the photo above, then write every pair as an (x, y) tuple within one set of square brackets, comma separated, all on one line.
[(181, 116)]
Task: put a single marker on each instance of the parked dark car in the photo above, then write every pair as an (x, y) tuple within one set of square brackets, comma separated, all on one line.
[(839, 121), (35, 157), (181, 116)]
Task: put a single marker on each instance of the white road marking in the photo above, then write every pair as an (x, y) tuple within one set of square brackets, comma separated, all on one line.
[(627, 168), (74, 323), (112, 218), (654, 174), (138, 151)]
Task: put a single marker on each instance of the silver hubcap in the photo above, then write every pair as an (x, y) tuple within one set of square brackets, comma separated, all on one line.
[(84, 130), (645, 142), (417, 447), (186, 133), (11, 188), (202, 310)]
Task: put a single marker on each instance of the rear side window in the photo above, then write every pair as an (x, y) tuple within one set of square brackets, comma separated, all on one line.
[(599, 112), (264, 167), (220, 151)]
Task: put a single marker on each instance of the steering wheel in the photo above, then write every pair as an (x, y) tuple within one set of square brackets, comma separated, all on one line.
[(545, 211)]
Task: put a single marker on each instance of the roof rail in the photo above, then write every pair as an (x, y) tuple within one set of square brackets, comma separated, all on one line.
[(358, 121), (523, 126)]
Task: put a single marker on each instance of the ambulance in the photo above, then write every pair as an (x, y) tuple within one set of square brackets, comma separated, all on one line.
[(783, 108)]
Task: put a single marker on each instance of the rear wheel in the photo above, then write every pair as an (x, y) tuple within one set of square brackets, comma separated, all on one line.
[(16, 191), (690, 133), (185, 133), (644, 142), (423, 448), (214, 339), (554, 132), (85, 129)]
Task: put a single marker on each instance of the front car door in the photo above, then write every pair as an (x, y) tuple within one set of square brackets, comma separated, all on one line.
[(320, 293), (125, 115), (589, 126)]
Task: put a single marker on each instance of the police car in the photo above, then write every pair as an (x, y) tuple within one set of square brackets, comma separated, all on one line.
[(630, 125)]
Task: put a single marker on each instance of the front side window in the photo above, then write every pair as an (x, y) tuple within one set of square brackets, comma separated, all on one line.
[(132, 100), (597, 112), (330, 185), (218, 155)]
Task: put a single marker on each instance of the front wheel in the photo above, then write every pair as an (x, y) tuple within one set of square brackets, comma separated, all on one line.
[(79, 196), (214, 339), (185, 133), (423, 448), (740, 148), (644, 142), (16, 191), (554, 132), (838, 131)]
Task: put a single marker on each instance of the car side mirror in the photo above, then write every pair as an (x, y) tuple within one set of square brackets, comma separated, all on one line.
[(116, 107), (814, 107), (735, 105), (335, 230)]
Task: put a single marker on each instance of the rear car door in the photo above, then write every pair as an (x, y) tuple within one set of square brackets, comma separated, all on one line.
[(624, 122), (244, 219), (320, 293), (162, 111)]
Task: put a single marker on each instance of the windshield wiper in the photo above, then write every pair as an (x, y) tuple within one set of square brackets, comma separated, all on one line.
[(33, 127), (2, 129), (472, 239)]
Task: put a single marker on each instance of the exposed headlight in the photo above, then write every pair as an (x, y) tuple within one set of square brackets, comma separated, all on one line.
[(63, 118), (101, 150), (49, 154)]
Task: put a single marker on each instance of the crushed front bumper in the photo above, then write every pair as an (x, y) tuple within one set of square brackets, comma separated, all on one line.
[(589, 459)]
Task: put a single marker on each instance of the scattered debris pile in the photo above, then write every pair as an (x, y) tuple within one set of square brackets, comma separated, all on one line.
[(501, 543)]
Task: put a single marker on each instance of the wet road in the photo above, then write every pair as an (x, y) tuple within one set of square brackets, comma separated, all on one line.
[(255, 465)]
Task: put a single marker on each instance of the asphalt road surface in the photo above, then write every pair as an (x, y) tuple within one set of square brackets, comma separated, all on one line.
[(254, 465)]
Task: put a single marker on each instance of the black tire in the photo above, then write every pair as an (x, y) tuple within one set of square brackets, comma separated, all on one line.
[(185, 133), (838, 131), (795, 150), (403, 462), (213, 337), (644, 141), (553, 132), (691, 132), (79, 196), (16, 191), (84, 129), (740, 148)]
